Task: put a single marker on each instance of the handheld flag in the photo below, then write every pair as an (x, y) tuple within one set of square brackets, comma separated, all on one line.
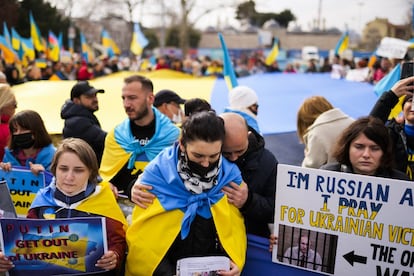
[(228, 70), (6, 33), (26, 50), (271, 57), (9, 55), (342, 44), (15, 40), (87, 52), (386, 83), (109, 44), (139, 41), (35, 34), (54, 51)]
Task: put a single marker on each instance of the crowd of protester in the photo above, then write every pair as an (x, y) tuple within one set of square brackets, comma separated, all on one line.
[(154, 158), (76, 68)]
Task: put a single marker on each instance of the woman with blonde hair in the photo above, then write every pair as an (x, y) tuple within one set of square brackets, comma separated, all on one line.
[(8, 107), (318, 126)]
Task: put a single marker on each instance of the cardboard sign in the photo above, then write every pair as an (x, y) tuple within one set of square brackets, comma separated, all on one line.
[(50, 247), (23, 186), (356, 224)]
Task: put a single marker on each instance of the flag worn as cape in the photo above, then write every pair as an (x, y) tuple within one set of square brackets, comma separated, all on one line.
[(153, 230), (122, 147), (92, 204), (228, 70)]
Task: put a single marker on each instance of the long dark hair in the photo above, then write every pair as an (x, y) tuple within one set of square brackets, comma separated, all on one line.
[(30, 120), (375, 130)]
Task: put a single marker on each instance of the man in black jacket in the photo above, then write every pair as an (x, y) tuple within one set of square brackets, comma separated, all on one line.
[(256, 201), (80, 122)]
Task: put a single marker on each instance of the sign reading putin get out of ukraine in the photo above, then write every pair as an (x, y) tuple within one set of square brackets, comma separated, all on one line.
[(344, 224), (53, 246)]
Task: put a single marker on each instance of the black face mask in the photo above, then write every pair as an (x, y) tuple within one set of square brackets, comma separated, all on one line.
[(199, 169), (23, 141)]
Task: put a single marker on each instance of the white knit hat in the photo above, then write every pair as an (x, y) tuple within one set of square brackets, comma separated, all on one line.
[(242, 97)]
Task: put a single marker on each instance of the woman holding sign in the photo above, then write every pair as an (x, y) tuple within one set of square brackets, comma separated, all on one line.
[(30, 144), (365, 148), (76, 193)]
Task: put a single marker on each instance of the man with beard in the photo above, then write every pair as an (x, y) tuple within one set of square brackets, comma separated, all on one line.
[(256, 200), (133, 143), (80, 121)]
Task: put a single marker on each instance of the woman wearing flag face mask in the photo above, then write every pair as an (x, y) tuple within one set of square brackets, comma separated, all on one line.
[(190, 216), (30, 144)]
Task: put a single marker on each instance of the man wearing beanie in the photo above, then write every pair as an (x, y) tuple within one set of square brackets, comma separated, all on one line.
[(402, 134), (244, 101)]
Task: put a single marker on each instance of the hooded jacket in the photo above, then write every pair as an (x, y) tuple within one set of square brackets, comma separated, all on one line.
[(80, 122)]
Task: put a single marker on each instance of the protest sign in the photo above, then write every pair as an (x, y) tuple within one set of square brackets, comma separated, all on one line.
[(50, 247), (6, 204), (349, 224), (23, 186)]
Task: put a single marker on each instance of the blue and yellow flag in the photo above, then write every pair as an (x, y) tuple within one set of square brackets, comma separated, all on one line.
[(272, 56), (53, 49), (35, 34), (87, 52), (109, 44), (9, 55), (6, 33), (342, 44), (139, 41), (15, 39), (228, 70)]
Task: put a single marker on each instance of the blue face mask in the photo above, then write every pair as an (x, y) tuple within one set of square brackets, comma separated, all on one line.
[(23, 141)]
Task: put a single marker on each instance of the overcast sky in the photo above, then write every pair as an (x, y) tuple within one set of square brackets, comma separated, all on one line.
[(337, 13), (342, 14)]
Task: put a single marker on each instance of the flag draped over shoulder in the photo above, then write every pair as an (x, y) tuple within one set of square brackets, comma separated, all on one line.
[(228, 70), (35, 34), (109, 44), (271, 57), (53, 49), (139, 41), (87, 52), (342, 44)]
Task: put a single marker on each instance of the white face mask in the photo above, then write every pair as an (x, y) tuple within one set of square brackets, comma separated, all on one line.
[(177, 118)]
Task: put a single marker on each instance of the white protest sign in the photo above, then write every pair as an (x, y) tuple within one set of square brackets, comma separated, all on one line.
[(391, 47), (358, 225)]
